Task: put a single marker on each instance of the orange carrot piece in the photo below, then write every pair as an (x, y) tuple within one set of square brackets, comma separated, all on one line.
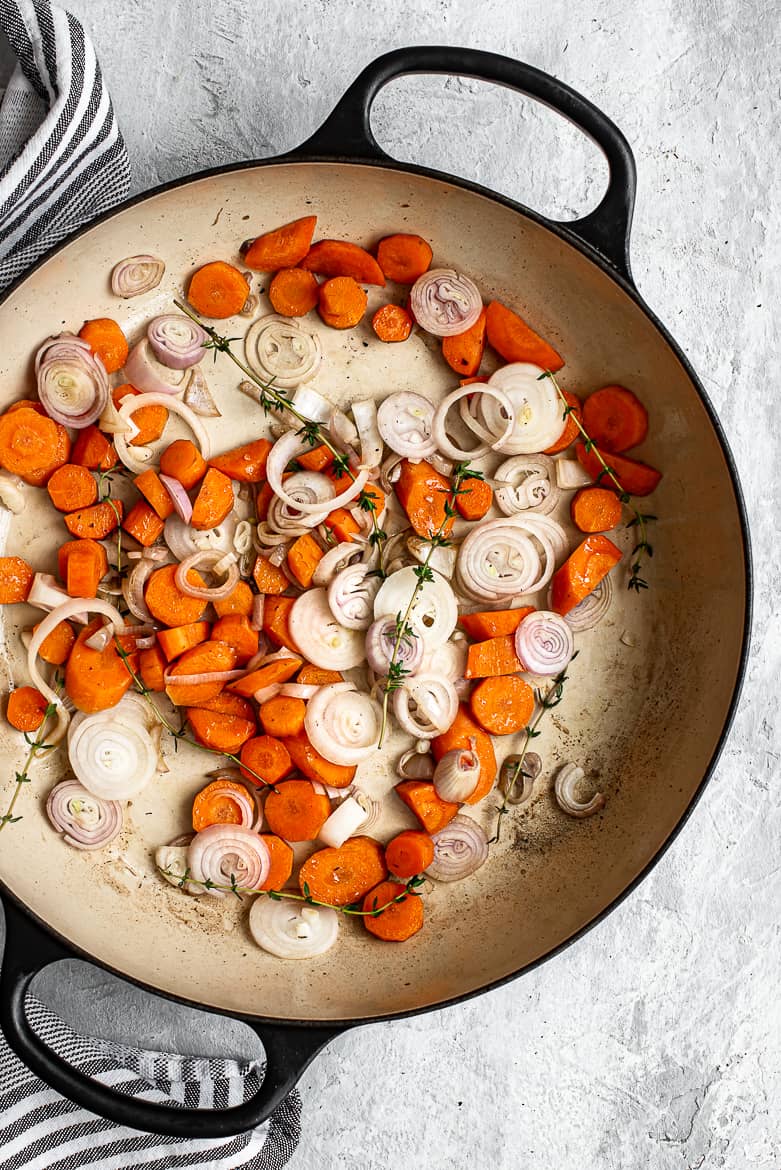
[(95, 522), (295, 811), (464, 351), (342, 302), (85, 566), (282, 716), (235, 629), (276, 621), (409, 853), (221, 732), (71, 487), (167, 603), (317, 676), (402, 917), (342, 524), (403, 257), (65, 550), (284, 247), (494, 656), (107, 341), (318, 459), (482, 626), (293, 292), (214, 500), (281, 862), (340, 259), (570, 429), (152, 667), (97, 679), (155, 493), (265, 760), (247, 464), (458, 735), (229, 704), (263, 498), (239, 601), (581, 572), (502, 706), (475, 499), (303, 557), (209, 658), (472, 381), (218, 804), (420, 796), (31, 445), (637, 479), (422, 492), (392, 323), (16, 578), (515, 341), (150, 420), (278, 671), (615, 419), (93, 450), (26, 709), (183, 461), (341, 876), (269, 578), (316, 767), (143, 523), (218, 290), (177, 639), (595, 509), (57, 645)]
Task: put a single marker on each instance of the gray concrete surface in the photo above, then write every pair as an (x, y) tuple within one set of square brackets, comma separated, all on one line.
[(655, 1043)]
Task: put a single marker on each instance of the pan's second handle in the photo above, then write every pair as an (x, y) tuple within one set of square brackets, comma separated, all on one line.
[(28, 950), (347, 130)]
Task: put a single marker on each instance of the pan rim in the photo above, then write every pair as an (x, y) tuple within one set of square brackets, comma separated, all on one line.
[(561, 231)]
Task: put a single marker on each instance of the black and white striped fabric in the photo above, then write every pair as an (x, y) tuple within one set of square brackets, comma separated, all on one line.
[(62, 157)]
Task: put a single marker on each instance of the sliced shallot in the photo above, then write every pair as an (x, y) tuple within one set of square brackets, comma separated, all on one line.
[(288, 447), (591, 610), (518, 787), (138, 458), (415, 765), (567, 780), (351, 596), (302, 487), (425, 705), (381, 647), (85, 820), (459, 850), (198, 396), (149, 375), (343, 822), (570, 475), (210, 561), (405, 422), (177, 341), (434, 612), (544, 643), (503, 559), (280, 351), (526, 483), (229, 854), (171, 862), (320, 637), (457, 773), (439, 427), (364, 411), (536, 406), (342, 724), (334, 561), (445, 302), (12, 492), (136, 275), (112, 753), (179, 498), (72, 381), (292, 930)]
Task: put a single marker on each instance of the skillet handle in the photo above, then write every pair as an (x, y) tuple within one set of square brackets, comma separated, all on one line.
[(347, 131), (28, 949)]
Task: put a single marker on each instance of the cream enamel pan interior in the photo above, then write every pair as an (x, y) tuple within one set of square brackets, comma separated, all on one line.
[(649, 693)]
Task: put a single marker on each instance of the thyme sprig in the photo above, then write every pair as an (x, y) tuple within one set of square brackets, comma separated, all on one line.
[(639, 519), (397, 672), (37, 746), (312, 432), (410, 887), (546, 701)]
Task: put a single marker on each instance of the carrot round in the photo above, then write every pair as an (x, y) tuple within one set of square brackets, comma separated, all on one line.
[(265, 676), (218, 290), (247, 463), (502, 706), (57, 645), (282, 716), (636, 478), (143, 523), (152, 667), (474, 499), (403, 257), (16, 577), (228, 704), (218, 804), (176, 640), (316, 767), (295, 811), (236, 630), (183, 461), (82, 565), (284, 247), (31, 445), (570, 430), (516, 341), (582, 571), (595, 509), (222, 733), (399, 920), (342, 302), (155, 493), (341, 876), (392, 323), (107, 341), (95, 522), (92, 449), (167, 603), (409, 853), (464, 351), (240, 601), (26, 709), (615, 418), (264, 758), (213, 502), (281, 862), (338, 258), (494, 656), (97, 679), (458, 735), (209, 658), (71, 487), (293, 292), (150, 420)]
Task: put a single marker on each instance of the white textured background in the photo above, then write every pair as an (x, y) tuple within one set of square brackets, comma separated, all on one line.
[(655, 1043)]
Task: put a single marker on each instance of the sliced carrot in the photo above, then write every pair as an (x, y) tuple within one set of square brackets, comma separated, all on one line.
[(282, 716), (403, 257), (423, 492), (502, 706), (342, 524), (57, 645), (155, 493), (595, 509), (85, 567), (342, 302), (303, 557), (31, 445), (317, 459), (515, 341), (278, 671), (420, 796), (392, 323), (269, 578), (209, 658), (150, 420), (615, 418), (284, 247), (281, 862), (71, 487), (235, 629), (481, 626), (316, 767), (95, 522), (581, 572), (474, 499), (341, 259), (458, 735), (247, 464), (570, 428), (239, 601), (143, 523), (402, 916), (107, 341), (97, 679), (176, 640), (93, 450), (263, 498), (152, 667), (494, 656), (218, 290), (222, 733), (183, 461), (26, 709), (295, 811), (342, 876), (472, 381), (219, 803), (276, 621), (317, 676), (214, 500), (293, 292), (167, 603), (16, 578), (65, 550), (265, 760), (227, 703), (464, 351), (409, 853), (637, 479)]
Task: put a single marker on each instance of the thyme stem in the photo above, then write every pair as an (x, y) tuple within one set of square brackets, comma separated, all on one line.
[(23, 777)]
